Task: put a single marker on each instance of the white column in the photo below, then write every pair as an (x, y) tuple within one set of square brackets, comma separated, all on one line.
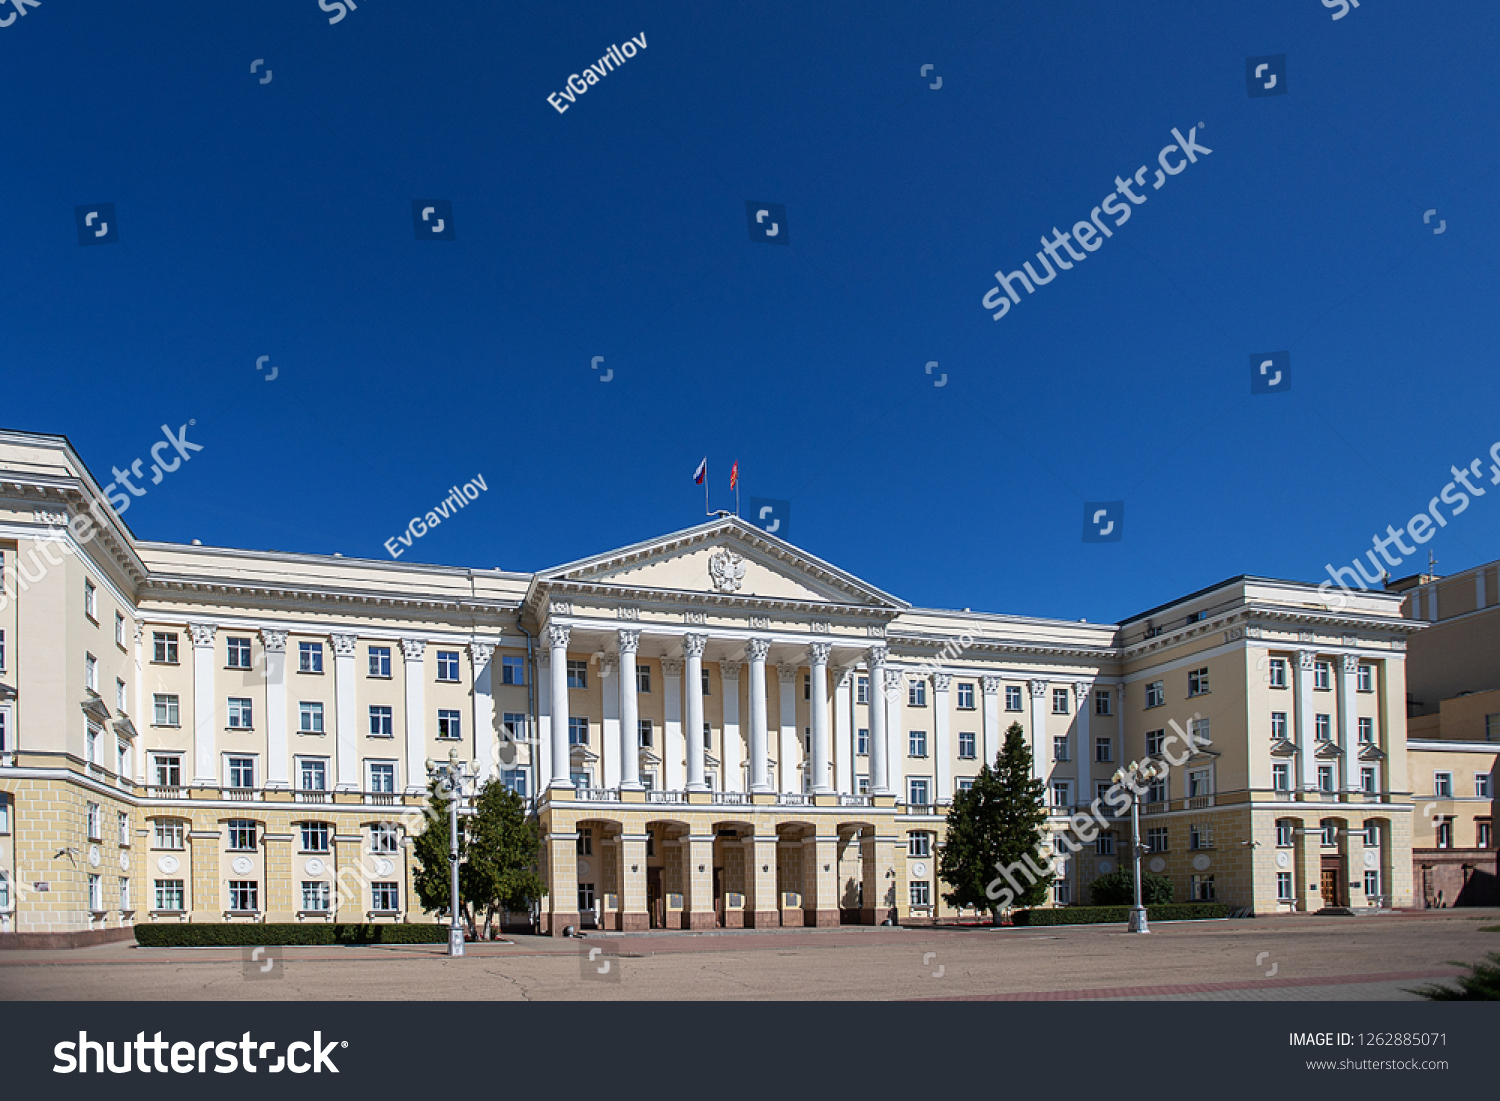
[(541, 753), (413, 677), (1306, 744), (630, 752), (729, 676), (673, 753), (880, 780), (486, 751), (278, 765), (895, 752), (1083, 694), (1038, 731), (822, 771), (557, 643), (1348, 726), (843, 727), (693, 646), (609, 739), (144, 708), (993, 735), (786, 751), (759, 647), (943, 772), (205, 714), (345, 731)]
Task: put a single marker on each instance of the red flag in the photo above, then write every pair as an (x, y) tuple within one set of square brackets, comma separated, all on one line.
[(734, 474)]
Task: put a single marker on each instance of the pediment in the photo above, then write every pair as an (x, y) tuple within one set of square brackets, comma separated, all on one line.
[(726, 558)]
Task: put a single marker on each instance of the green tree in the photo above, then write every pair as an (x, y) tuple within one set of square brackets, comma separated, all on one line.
[(497, 849), (998, 823), (1481, 984), (1118, 889)]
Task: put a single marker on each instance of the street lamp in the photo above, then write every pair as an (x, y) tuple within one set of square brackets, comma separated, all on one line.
[(1133, 776), (454, 775)]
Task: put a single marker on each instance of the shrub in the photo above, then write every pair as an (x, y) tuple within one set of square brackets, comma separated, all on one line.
[(1098, 915), (1118, 889), (238, 935), (1482, 984)]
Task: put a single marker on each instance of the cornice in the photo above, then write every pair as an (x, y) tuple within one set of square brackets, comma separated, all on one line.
[(611, 593)]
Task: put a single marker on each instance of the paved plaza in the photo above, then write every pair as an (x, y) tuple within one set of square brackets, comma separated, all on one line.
[(1286, 958)]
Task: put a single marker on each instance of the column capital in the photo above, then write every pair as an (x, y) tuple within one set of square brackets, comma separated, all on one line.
[(672, 667), (203, 633), (941, 681), (759, 648), (730, 670), (1038, 688), (1351, 664), (818, 653), (1082, 689), (841, 674), (480, 653), (273, 639), (343, 645), (607, 665), (630, 639), (989, 685), (693, 645), (412, 649), (893, 679), (786, 673), (558, 635), (1306, 659), (875, 656)]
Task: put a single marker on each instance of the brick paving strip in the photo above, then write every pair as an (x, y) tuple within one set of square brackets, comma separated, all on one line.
[(1195, 988)]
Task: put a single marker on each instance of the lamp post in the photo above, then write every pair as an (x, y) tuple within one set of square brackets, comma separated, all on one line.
[(1132, 776), (454, 774)]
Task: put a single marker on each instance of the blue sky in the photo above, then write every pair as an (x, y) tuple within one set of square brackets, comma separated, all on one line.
[(276, 219)]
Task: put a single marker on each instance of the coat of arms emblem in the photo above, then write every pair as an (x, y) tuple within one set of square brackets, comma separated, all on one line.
[(727, 570)]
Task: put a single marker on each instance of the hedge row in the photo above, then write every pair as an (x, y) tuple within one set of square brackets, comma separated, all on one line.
[(1094, 915), (233, 935)]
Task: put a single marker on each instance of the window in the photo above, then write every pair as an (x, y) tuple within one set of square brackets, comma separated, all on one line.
[(512, 670), (1062, 793), (447, 661), (1156, 839), (916, 693), (921, 893), (239, 653), (578, 674), (451, 724), (91, 672), (1198, 682), (1202, 888), (122, 824), (1372, 884), (315, 895), (1442, 785), (645, 732), (165, 709), (1155, 694), (120, 695), (1104, 749), (315, 837), (584, 843), (124, 894), (1200, 836), (167, 769), (1483, 835), (643, 678), (168, 833), (917, 791), (241, 835), (1322, 675), (91, 745), (1323, 728), (1278, 726), (169, 894), (708, 737), (1059, 701), (385, 897), (93, 819), (514, 725), (919, 843), (380, 661), (1445, 833), (1276, 673), (514, 779), (382, 778), (1372, 836), (309, 657), (1200, 783), (1364, 678), (1156, 791), (862, 785), (1366, 731), (965, 784), (1101, 702), (1281, 777), (918, 743), (310, 718), (241, 772), (966, 742), (1367, 779), (1283, 886), (119, 629), (96, 894), (1154, 740), (1104, 844), (1330, 833), (585, 897), (122, 759), (1062, 892), (862, 690), (862, 741), (578, 730), (1325, 778), (240, 713), (313, 774), (1481, 785), (1060, 748), (244, 895), (381, 721), (384, 838), (1013, 697), (1101, 792), (90, 603), (806, 685), (965, 696), (164, 647), (1284, 833)]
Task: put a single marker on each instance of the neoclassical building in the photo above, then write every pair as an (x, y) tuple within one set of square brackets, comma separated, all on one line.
[(714, 728)]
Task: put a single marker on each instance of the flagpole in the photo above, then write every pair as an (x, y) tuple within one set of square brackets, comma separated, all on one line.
[(706, 512)]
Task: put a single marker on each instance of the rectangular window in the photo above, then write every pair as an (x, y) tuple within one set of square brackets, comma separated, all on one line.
[(1366, 731), (1062, 793), (1484, 835), (862, 742), (1442, 785), (241, 835), (578, 674), (919, 843), (1101, 702), (514, 725), (124, 894), (1325, 778), (1155, 694), (1330, 832), (585, 897), (90, 601), (862, 785), (1062, 892), (309, 657), (169, 895), (1202, 888), (1284, 833), (514, 779), (310, 718), (1481, 785), (93, 819), (385, 838), (119, 629), (91, 672), (241, 772), (244, 895), (315, 837), (1200, 783), (1281, 777), (164, 647), (862, 690), (165, 709), (578, 730), (1283, 886), (240, 713), (966, 743), (1156, 839), (921, 893), (91, 745), (1198, 682), (917, 743), (167, 769), (1154, 742), (806, 685), (708, 736), (381, 721), (1367, 779), (120, 695), (239, 653), (447, 666), (380, 661), (647, 734), (1059, 701), (1013, 697), (1104, 844), (450, 724), (315, 896), (1200, 836), (122, 824), (386, 897), (916, 693), (382, 777), (917, 791), (1276, 673), (1279, 727), (584, 843), (512, 670), (1060, 748), (1156, 792), (1104, 749), (965, 696), (168, 833), (1364, 678), (965, 784), (643, 678), (312, 772), (1322, 675), (1372, 884), (1445, 833), (1323, 728)]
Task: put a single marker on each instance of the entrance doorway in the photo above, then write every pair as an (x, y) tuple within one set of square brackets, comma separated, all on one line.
[(655, 901), (1332, 884)]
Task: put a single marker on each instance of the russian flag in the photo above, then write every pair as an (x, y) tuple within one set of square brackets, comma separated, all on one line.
[(701, 472)]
